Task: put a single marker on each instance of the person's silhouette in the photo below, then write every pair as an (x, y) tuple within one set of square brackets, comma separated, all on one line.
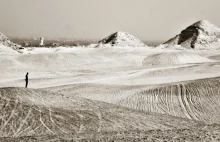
[(26, 79)]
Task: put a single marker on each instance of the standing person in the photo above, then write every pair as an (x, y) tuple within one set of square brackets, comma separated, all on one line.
[(26, 80)]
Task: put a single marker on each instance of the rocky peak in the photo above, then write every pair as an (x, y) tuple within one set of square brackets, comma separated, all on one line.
[(122, 39), (200, 35)]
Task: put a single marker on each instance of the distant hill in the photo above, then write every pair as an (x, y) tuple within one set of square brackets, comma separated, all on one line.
[(31, 42), (200, 35), (4, 40), (122, 39)]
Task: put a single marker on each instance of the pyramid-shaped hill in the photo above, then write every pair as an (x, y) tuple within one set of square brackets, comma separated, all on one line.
[(200, 35), (122, 39), (4, 40)]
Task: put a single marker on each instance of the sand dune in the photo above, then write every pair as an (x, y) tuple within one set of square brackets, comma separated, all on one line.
[(100, 92), (174, 59), (197, 100), (116, 65), (162, 75), (27, 112), (199, 134), (7, 50), (108, 94), (5, 42)]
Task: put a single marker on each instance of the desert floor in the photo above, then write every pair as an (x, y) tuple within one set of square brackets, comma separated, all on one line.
[(110, 94)]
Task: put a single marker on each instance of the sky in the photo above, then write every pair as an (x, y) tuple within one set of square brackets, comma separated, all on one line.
[(148, 20)]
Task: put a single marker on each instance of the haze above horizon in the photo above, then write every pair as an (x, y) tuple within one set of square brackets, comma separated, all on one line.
[(82, 19)]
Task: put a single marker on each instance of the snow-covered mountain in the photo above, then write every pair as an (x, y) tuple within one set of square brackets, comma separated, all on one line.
[(200, 35), (122, 39)]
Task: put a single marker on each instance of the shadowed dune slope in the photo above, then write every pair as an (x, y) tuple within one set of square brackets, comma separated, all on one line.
[(197, 100), (216, 57), (208, 133), (27, 112)]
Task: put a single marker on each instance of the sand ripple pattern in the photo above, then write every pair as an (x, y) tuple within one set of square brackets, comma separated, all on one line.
[(197, 100), (27, 112)]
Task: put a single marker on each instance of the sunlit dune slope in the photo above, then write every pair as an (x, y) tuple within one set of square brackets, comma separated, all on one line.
[(174, 58)]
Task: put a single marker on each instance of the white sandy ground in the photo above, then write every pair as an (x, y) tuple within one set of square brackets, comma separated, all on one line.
[(110, 65), (6, 50), (113, 75)]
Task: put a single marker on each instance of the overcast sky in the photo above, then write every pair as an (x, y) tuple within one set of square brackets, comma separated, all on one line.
[(94, 19)]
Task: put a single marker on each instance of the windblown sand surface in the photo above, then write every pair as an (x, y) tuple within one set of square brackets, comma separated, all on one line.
[(28, 112), (110, 93)]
